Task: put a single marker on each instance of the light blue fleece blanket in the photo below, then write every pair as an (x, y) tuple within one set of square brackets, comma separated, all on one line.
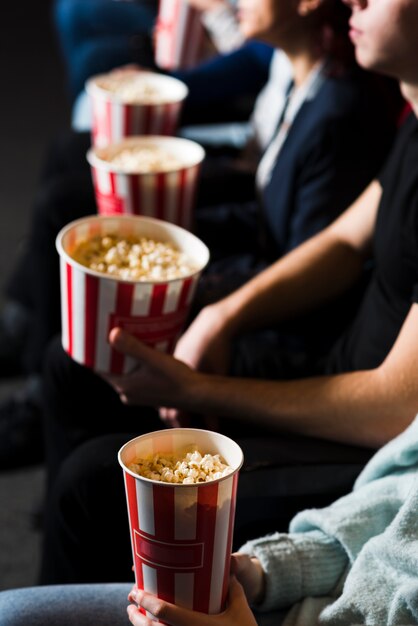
[(356, 561)]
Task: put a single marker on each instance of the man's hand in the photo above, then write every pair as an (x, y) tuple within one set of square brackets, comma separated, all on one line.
[(206, 344), (238, 613), (205, 347), (158, 379)]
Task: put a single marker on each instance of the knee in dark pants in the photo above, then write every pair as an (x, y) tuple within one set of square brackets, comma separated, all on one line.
[(66, 155), (87, 531), (61, 200)]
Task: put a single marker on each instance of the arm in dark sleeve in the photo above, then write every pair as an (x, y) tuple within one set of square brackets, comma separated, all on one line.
[(240, 73), (322, 190), (338, 167)]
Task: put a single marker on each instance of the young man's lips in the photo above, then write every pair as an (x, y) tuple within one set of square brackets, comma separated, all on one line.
[(354, 33)]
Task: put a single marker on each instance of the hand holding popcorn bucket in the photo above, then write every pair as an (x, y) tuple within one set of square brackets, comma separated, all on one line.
[(179, 35), (181, 534), (153, 309), (130, 102), (152, 176)]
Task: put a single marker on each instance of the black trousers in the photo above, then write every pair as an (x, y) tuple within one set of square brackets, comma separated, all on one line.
[(79, 405), (86, 533)]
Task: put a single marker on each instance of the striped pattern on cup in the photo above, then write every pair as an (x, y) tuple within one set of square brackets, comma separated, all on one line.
[(93, 303), (182, 534), (113, 120), (169, 196), (179, 35)]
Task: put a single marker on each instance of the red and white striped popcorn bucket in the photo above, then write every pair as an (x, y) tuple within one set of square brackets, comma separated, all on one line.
[(181, 534), (163, 195), (113, 119), (179, 35), (92, 303)]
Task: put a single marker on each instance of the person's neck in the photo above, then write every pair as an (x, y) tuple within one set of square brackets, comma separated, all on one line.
[(410, 92), (302, 65), (303, 52)]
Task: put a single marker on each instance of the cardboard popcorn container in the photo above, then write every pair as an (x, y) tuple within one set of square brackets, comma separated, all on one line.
[(182, 533), (134, 102), (179, 35), (166, 192), (92, 303)]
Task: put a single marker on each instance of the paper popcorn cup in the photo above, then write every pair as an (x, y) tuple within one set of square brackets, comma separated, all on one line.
[(179, 35), (92, 303), (164, 195), (114, 119), (182, 534)]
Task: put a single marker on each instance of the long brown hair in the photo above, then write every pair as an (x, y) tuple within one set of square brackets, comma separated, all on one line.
[(333, 19)]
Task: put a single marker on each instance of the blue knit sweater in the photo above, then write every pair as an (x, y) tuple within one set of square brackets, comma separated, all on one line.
[(356, 561)]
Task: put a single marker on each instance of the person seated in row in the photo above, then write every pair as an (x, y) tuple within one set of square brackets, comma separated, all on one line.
[(96, 36), (85, 31), (229, 364), (30, 316), (332, 134), (66, 171), (353, 562)]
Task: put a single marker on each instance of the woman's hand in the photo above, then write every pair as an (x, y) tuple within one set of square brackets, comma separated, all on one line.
[(126, 70), (158, 380), (237, 613), (250, 574)]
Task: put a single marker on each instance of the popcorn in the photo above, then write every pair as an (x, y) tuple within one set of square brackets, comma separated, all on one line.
[(190, 469), (131, 87), (133, 258), (144, 160)]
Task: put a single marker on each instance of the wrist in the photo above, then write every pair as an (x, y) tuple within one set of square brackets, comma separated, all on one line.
[(197, 393), (225, 315)]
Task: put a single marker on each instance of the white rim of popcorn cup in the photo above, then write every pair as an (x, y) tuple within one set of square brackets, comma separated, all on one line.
[(93, 302), (173, 440), (181, 534), (168, 195), (114, 117), (172, 89), (189, 152)]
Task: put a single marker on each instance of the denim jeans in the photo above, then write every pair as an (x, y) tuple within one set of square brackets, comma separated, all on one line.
[(77, 605)]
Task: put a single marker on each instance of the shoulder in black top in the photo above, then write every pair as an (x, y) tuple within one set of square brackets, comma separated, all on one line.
[(394, 285)]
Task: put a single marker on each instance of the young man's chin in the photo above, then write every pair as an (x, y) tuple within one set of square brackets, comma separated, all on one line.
[(410, 93), (368, 61)]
